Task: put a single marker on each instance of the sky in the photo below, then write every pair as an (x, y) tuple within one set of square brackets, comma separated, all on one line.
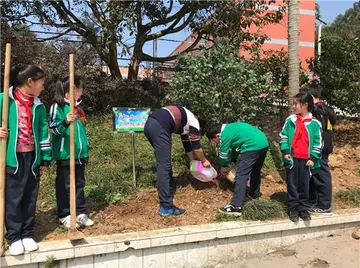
[(329, 9)]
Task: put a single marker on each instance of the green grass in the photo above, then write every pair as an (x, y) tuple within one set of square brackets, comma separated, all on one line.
[(109, 172), (351, 197), (269, 163), (255, 210), (220, 217), (51, 262), (262, 209)]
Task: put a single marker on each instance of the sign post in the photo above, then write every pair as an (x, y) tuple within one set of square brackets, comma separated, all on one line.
[(130, 120)]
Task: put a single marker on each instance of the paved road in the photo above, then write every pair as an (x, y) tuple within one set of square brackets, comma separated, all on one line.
[(338, 251)]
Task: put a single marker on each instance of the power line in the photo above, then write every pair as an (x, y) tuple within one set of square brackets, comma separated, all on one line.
[(77, 35)]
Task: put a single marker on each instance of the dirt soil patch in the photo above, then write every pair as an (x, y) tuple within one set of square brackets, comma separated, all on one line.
[(201, 200)]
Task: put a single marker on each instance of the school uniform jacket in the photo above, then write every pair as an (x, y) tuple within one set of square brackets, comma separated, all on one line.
[(315, 140), (239, 137), (60, 135), (40, 132)]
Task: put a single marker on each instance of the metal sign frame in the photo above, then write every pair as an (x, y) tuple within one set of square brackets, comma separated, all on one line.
[(125, 120)]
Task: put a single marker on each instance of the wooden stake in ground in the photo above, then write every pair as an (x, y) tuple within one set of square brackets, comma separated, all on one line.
[(5, 113), (74, 233)]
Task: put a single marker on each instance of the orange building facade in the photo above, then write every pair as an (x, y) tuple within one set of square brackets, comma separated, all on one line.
[(277, 33)]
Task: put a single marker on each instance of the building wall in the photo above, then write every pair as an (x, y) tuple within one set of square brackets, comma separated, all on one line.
[(278, 35)]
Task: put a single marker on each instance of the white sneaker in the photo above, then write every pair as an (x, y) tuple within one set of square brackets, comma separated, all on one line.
[(16, 248), (29, 244), (84, 220), (67, 223)]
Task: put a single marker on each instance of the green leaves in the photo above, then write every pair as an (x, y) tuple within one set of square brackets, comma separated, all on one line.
[(221, 86), (339, 65)]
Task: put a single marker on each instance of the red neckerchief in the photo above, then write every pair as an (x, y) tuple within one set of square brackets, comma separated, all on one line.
[(27, 104), (82, 114), (300, 128), (78, 109)]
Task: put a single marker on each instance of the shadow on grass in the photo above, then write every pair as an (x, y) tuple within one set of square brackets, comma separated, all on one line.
[(280, 196)]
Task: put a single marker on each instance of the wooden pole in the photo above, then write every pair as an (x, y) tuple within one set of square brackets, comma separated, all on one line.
[(74, 233), (4, 124), (72, 150)]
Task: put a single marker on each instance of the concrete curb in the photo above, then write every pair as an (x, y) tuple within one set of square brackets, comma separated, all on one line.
[(188, 246)]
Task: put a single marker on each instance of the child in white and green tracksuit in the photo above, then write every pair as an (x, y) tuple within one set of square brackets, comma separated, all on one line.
[(28, 152), (60, 118), (301, 145)]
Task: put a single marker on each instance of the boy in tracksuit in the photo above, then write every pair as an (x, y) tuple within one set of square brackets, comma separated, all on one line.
[(247, 140), (320, 182), (301, 144)]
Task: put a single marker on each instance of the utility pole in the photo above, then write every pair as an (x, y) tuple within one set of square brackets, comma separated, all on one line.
[(154, 55)]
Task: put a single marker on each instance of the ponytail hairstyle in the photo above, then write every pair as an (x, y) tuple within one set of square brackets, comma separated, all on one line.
[(20, 74), (63, 86), (305, 98)]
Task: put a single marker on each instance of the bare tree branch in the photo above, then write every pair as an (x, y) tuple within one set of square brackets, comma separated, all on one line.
[(100, 17), (54, 37), (181, 13), (170, 7), (192, 47), (171, 28)]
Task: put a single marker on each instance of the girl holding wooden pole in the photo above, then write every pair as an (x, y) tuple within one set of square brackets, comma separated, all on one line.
[(61, 118), (28, 152)]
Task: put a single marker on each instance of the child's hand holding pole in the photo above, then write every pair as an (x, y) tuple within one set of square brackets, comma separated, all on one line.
[(3, 133)]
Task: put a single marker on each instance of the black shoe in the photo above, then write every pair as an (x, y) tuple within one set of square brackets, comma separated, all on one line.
[(231, 210), (304, 215), (294, 216), (320, 211)]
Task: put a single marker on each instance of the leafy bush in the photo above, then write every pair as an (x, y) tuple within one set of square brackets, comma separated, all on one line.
[(222, 86)]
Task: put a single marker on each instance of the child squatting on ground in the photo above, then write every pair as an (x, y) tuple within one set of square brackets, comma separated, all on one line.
[(300, 144), (60, 118), (249, 141), (28, 152)]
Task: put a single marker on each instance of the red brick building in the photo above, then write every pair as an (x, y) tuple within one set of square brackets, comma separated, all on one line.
[(277, 33)]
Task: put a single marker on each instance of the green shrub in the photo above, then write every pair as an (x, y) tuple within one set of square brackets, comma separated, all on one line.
[(351, 197), (221, 86)]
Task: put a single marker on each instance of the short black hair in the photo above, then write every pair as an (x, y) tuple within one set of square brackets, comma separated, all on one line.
[(314, 90), (305, 97), (213, 130)]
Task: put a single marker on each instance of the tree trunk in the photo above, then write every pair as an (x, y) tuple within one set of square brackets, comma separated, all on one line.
[(135, 61), (109, 57), (294, 63), (113, 63)]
